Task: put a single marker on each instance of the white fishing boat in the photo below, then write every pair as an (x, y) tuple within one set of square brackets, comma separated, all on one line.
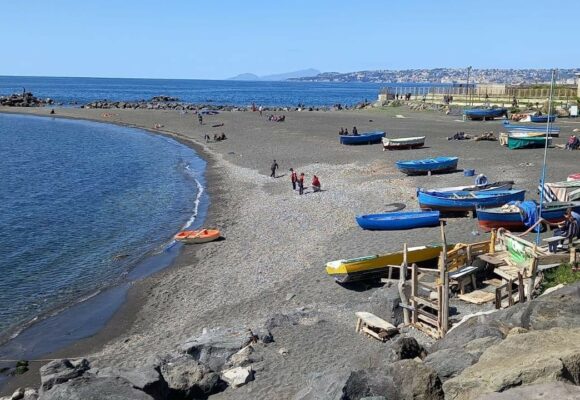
[(403, 143)]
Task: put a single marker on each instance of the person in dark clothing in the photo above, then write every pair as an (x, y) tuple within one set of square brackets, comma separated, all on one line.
[(341, 131), (200, 118), (354, 131), (273, 168), (567, 228), (301, 183), (293, 178)]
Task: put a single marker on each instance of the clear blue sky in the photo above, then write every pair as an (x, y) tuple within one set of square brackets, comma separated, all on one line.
[(220, 39)]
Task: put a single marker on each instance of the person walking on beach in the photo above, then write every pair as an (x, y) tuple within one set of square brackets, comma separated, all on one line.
[(301, 183), (273, 168), (293, 178), (315, 184), (200, 118), (260, 109)]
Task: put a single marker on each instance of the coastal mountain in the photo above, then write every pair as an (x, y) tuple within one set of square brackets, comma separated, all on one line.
[(276, 77)]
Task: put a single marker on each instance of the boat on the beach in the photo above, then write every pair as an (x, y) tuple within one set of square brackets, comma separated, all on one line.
[(363, 138), (485, 113), (573, 177), (394, 221), (525, 141), (198, 236), (373, 267), (437, 164), (403, 143), (467, 201), (542, 118), (514, 216), (561, 191), (501, 185)]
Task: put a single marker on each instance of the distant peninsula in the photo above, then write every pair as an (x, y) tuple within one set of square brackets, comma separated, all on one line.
[(446, 75), (276, 77)]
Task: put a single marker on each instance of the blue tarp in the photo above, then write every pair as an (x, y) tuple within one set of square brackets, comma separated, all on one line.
[(529, 212)]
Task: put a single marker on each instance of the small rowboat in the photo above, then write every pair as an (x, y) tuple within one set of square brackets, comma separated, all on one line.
[(373, 267), (199, 236), (403, 143), (501, 185), (437, 164), (467, 201), (485, 113), (396, 221), (542, 118), (363, 138), (511, 218), (525, 141)]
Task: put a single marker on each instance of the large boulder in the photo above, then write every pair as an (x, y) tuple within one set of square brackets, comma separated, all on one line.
[(544, 391), (189, 379), (325, 385), (449, 362), (90, 387), (146, 378), (215, 346), (60, 371), (406, 379), (406, 347), (523, 359), (385, 303)]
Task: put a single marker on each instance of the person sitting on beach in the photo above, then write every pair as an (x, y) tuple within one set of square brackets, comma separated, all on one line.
[(341, 131), (221, 136), (567, 229), (573, 143), (354, 131), (315, 184), (346, 132), (215, 137)]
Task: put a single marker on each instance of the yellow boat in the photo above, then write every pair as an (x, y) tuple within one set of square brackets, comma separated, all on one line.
[(356, 269)]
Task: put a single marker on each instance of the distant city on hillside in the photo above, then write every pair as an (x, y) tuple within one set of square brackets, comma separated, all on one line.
[(448, 75)]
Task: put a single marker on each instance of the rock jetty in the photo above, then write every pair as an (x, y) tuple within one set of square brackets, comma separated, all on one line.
[(24, 99)]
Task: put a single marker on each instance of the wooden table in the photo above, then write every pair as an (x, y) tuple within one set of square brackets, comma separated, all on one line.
[(374, 326)]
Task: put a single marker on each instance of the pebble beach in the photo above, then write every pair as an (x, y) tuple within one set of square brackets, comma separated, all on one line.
[(276, 242)]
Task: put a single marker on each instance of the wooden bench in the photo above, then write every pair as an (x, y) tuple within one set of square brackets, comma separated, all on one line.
[(374, 326), (464, 276)]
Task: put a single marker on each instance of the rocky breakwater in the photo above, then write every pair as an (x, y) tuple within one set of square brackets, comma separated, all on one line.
[(24, 99), (522, 352), (203, 365)]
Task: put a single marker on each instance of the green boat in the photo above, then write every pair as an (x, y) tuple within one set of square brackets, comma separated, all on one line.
[(528, 142)]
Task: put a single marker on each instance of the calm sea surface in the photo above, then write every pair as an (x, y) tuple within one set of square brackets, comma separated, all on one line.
[(239, 93), (81, 203)]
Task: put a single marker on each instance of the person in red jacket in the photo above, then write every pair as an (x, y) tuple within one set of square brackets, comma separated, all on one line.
[(293, 178), (301, 183), (315, 184)]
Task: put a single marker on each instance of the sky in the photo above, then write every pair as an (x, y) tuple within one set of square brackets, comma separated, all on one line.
[(220, 39)]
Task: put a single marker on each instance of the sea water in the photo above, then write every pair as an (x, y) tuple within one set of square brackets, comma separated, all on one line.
[(83, 203)]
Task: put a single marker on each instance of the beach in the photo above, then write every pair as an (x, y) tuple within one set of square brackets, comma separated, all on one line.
[(276, 243)]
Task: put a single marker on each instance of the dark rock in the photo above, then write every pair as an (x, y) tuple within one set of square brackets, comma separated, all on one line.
[(60, 371), (214, 347), (189, 379), (407, 347), (145, 378), (90, 387), (449, 363), (325, 385), (262, 334), (367, 382)]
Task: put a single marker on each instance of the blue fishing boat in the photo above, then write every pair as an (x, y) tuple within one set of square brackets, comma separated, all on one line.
[(363, 138), (519, 216), (542, 118), (485, 113), (437, 164), (395, 221), (553, 131), (467, 201)]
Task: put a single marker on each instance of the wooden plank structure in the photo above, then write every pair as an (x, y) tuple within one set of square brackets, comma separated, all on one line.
[(374, 326)]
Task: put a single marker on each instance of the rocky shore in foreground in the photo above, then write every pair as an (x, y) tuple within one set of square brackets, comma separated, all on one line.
[(516, 353)]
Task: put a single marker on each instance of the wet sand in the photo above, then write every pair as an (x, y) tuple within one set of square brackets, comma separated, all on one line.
[(277, 242)]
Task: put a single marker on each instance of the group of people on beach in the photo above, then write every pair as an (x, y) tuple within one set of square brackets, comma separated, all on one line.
[(297, 180), (276, 118), (216, 137), (344, 132)]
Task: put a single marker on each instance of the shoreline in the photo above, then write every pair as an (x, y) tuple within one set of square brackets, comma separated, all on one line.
[(135, 292), (271, 262)]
